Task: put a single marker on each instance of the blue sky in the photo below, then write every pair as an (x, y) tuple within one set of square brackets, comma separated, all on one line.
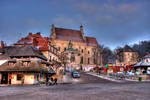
[(113, 22)]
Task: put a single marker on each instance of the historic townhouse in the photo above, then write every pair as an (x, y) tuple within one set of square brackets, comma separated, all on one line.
[(41, 43), (127, 57), (23, 65)]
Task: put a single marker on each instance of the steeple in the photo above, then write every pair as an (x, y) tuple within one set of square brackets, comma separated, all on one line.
[(81, 30), (53, 34)]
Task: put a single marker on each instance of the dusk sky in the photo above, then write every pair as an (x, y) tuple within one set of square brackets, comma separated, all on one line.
[(113, 22)]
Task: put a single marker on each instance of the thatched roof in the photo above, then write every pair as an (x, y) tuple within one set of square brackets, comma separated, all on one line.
[(34, 66), (20, 51)]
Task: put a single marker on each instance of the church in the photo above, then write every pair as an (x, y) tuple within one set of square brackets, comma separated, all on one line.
[(80, 50)]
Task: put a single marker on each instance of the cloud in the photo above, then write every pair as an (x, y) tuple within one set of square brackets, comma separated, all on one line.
[(112, 22), (67, 21), (116, 23)]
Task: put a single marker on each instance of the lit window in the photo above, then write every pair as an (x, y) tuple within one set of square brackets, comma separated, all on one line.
[(19, 76)]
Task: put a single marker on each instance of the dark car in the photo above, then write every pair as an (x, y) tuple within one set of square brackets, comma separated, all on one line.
[(75, 74)]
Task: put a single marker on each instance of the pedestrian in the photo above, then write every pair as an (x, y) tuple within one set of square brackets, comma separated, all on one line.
[(55, 80), (99, 71)]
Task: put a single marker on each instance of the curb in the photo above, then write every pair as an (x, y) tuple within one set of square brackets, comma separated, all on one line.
[(103, 77)]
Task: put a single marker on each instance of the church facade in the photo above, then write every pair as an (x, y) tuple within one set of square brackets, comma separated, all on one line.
[(83, 51)]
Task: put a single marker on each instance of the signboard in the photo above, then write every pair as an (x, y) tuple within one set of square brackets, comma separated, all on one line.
[(106, 65), (109, 64), (121, 69)]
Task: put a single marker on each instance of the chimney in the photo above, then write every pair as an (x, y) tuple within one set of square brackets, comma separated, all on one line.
[(2, 44), (30, 33), (38, 33), (34, 42)]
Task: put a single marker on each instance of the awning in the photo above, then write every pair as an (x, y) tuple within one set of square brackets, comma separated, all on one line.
[(141, 63)]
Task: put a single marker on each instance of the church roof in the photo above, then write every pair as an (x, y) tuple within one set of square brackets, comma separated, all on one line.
[(74, 35), (91, 41), (68, 34)]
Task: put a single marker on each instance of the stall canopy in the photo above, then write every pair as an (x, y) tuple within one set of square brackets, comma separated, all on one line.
[(141, 63)]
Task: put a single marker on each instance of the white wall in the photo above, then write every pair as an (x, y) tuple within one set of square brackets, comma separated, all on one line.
[(88, 68), (3, 61), (147, 60), (14, 79), (28, 79)]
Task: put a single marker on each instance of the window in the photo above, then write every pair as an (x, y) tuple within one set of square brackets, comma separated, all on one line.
[(82, 50), (50, 58), (78, 54), (94, 61), (25, 63), (81, 62), (11, 63), (72, 59), (58, 48), (94, 52), (19, 76)]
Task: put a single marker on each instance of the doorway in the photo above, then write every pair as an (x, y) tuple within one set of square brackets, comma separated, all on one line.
[(4, 78)]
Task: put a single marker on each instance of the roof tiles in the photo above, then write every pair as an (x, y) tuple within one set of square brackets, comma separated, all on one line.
[(68, 34)]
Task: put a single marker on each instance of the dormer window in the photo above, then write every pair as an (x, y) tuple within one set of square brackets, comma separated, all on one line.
[(26, 63), (44, 65), (12, 62)]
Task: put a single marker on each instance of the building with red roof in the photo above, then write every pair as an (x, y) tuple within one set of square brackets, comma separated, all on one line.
[(41, 43)]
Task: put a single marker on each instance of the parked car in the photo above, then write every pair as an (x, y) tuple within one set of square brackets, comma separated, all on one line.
[(130, 73), (137, 72), (148, 72), (120, 75), (75, 74)]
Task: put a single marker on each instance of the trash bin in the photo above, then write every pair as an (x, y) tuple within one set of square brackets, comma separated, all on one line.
[(140, 78), (110, 74), (64, 73), (40, 83)]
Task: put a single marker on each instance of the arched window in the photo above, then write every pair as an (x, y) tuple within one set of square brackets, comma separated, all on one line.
[(81, 62)]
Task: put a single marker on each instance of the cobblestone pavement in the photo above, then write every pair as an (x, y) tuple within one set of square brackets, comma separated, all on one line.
[(87, 88)]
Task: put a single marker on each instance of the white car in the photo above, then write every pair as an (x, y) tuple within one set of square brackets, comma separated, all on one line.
[(138, 73), (120, 74), (130, 73), (148, 72)]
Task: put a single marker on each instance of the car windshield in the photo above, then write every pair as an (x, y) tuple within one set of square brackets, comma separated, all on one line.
[(76, 73)]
